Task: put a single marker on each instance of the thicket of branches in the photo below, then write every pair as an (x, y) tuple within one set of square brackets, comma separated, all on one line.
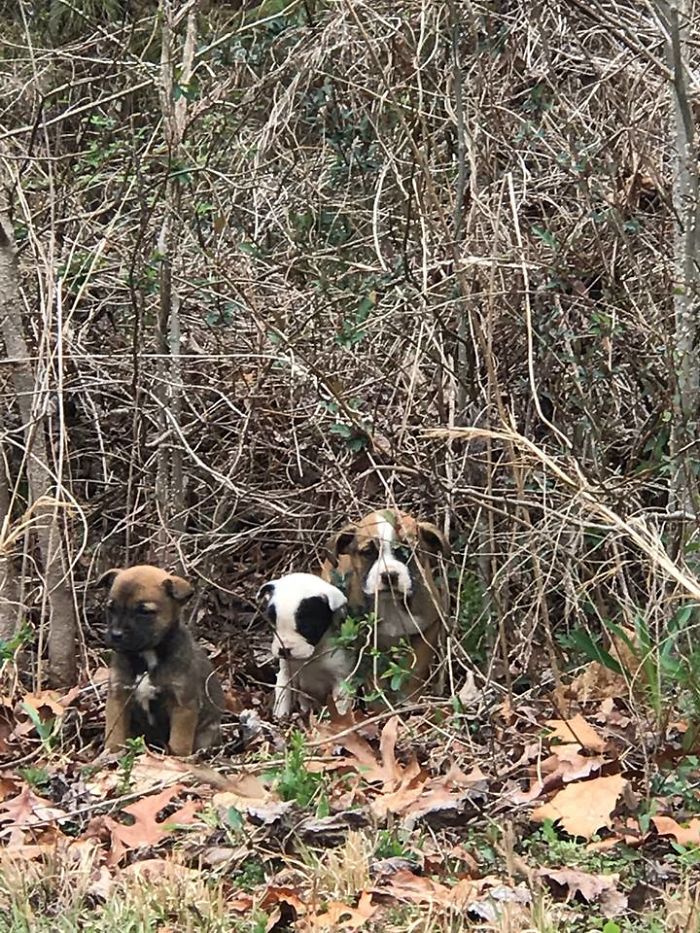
[(265, 252)]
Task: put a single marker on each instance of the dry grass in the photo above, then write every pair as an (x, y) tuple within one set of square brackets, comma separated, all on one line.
[(389, 219)]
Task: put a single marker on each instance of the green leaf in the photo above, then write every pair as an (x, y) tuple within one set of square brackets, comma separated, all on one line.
[(583, 641), (342, 430), (356, 444), (545, 236), (683, 615), (234, 818), (44, 729)]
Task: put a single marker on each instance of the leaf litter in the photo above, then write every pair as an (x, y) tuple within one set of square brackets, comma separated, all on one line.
[(424, 794)]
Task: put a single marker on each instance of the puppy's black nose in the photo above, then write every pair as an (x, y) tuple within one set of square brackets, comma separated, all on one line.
[(389, 577), (285, 654), (116, 637)]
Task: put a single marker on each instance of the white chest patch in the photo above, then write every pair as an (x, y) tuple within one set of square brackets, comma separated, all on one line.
[(145, 693), (151, 659)]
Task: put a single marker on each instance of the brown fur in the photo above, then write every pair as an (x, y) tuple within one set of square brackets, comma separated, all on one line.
[(155, 654), (422, 625)]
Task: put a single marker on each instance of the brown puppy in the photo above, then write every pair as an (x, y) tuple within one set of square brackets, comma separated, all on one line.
[(387, 564), (161, 684)]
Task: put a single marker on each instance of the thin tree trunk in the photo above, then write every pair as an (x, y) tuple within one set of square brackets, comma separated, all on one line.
[(170, 476), (8, 581), (683, 484), (48, 524)]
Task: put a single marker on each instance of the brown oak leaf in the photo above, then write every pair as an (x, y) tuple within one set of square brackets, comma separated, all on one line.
[(686, 835), (338, 916), (585, 807), (577, 730), (22, 816), (564, 765), (601, 889), (146, 830), (418, 889)]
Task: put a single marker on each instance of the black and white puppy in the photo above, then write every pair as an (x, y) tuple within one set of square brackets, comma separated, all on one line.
[(306, 612)]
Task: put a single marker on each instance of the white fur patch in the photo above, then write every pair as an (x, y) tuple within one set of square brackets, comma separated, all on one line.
[(151, 659), (308, 683), (288, 592), (145, 693), (386, 563)]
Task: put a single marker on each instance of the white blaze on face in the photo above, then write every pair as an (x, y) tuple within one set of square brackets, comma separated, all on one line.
[(286, 596), (388, 573)]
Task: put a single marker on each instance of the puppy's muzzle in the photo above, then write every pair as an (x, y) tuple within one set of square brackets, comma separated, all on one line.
[(285, 654), (116, 637)]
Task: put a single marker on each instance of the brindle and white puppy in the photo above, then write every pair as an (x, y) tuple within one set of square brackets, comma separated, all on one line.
[(161, 684), (388, 564), (306, 612)]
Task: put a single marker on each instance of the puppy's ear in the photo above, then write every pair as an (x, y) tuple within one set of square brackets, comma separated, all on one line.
[(336, 599), (178, 589), (265, 592), (341, 543), (433, 539), (107, 578)]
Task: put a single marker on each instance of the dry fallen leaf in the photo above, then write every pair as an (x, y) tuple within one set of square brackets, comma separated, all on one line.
[(443, 794), (9, 785), (241, 902), (577, 730), (469, 693), (393, 773), (686, 835), (564, 765), (418, 889), (610, 715), (146, 830), (409, 790), (363, 758), (596, 682), (246, 792), (45, 699), (601, 889), (23, 815), (157, 869), (338, 916), (584, 808), (632, 837)]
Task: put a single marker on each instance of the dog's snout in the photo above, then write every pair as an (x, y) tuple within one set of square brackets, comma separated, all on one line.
[(285, 653), (390, 577)]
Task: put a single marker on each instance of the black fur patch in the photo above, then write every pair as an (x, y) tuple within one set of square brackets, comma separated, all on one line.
[(314, 617), (270, 613)]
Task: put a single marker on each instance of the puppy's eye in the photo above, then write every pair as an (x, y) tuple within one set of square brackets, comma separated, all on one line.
[(369, 551), (145, 611), (403, 553)]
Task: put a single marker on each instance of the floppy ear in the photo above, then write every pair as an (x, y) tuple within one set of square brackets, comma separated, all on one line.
[(265, 592), (433, 539), (178, 589), (107, 578), (336, 599), (340, 543)]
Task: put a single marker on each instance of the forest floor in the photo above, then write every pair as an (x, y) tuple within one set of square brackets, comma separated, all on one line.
[(487, 813)]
